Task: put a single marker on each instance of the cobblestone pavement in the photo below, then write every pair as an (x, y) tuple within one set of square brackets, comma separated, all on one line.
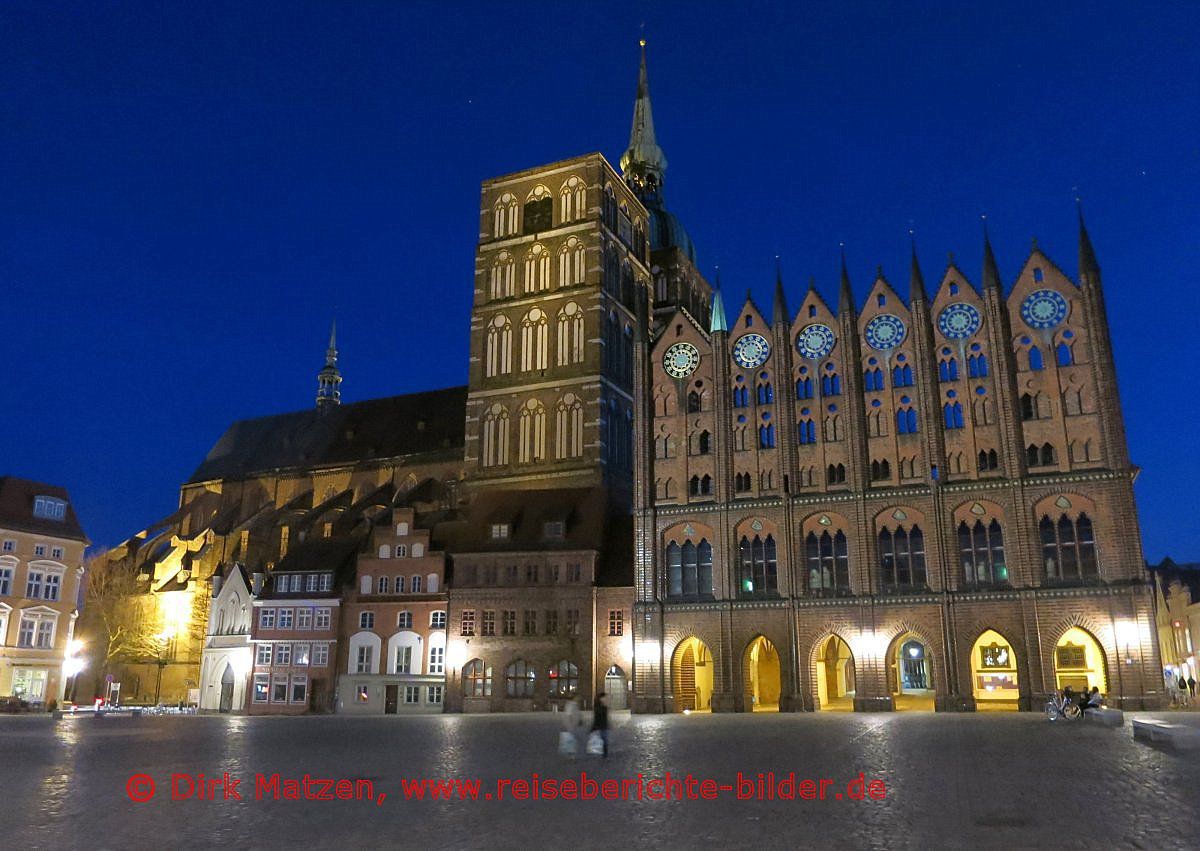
[(966, 781)]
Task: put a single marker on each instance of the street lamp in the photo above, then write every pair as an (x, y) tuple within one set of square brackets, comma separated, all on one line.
[(73, 664)]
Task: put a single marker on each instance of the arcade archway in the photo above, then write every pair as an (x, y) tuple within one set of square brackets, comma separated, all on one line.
[(836, 682), (762, 676), (994, 682), (1079, 662), (910, 673), (692, 676)]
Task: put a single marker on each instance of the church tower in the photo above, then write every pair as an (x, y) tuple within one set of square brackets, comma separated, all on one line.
[(329, 379)]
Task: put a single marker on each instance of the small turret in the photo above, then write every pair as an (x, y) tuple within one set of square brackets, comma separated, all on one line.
[(780, 312), (329, 379), (718, 322)]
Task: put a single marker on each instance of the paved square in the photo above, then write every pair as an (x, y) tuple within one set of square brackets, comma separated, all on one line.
[(977, 781)]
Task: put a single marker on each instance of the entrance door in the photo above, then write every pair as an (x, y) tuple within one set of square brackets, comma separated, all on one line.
[(391, 697), (227, 689), (762, 676), (614, 689)]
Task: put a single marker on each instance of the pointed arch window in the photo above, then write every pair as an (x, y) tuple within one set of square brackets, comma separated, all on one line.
[(537, 269), (988, 460), (741, 482), (1068, 548), (741, 396), (831, 383), (873, 379), (757, 568), (700, 485), (689, 570), (570, 334), (902, 559), (1040, 456), (504, 219), (495, 437), (806, 431), (836, 474), (1035, 359), (571, 257), (906, 421), (804, 388), (532, 428), (573, 200), (1064, 354), (568, 429), (902, 376), (766, 393), (535, 343), (539, 210), (828, 562), (766, 436), (952, 413), (948, 369), (704, 443), (982, 550), (881, 470), (502, 277), (498, 347), (977, 366)]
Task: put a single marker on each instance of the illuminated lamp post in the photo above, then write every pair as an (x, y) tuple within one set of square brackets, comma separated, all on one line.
[(164, 639), (72, 665)]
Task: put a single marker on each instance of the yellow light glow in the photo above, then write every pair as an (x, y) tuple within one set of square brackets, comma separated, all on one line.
[(242, 662), (74, 647), (72, 666)]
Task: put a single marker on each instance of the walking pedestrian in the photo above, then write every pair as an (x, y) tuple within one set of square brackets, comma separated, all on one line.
[(1181, 684), (600, 720), (1192, 685)]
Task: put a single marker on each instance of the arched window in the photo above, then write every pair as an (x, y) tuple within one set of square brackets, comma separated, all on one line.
[(741, 396), (404, 620), (503, 273), (382, 585), (495, 438), (831, 384), (1068, 548), (564, 679), (902, 559), (828, 564), (806, 431), (988, 460), (704, 443), (906, 421), (1064, 355), (1035, 358), (952, 412), (982, 549), (477, 679), (520, 677), (689, 569), (836, 474), (766, 393), (804, 388), (572, 200), (504, 220), (1028, 407), (569, 427), (535, 349), (741, 482), (693, 402), (571, 263), (948, 369), (1040, 456), (766, 436), (757, 572), (532, 433), (416, 584), (570, 334), (902, 376), (399, 584), (977, 366), (385, 551), (498, 347), (539, 210), (873, 379), (537, 269), (881, 470)]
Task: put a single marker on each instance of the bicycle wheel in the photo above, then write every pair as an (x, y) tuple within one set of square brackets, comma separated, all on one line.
[(1051, 710), (1071, 711)]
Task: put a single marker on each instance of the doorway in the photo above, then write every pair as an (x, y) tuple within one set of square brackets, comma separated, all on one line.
[(762, 676), (836, 681), (615, 688), (910, 674), (391, 699), (994, 683), (226, 704), (692, 675)]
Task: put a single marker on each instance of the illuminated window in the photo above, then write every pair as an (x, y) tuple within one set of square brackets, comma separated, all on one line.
[(477, 679), (564, 679), (520, 679)]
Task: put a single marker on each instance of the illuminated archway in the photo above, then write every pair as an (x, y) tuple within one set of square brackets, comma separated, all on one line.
[(836, 681), (1079, 662), (910, 673), (692, 675), (994, 682), (762, 676)]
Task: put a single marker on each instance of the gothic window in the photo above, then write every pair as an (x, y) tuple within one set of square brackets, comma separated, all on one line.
[(704, 443), (828, 564), (952, 412), (693, 402), (766, 393), (689, 570), (532, 436), (807, 431), (1028, 408), (873, 379), (902, 558), (948, 369), (906, 421), (908, 468), (881, 470), (1068, 548), (570, 334), (739, 438), (519, 679), (700, 486), (573, 200), (902, 376), (766, 480), (804, 388), (831, 383), (495, 436), (836, 474), (1064, 354), (741, 396), (503, 272), (477, 678), (955, 462), (498, 347), (539, 210), (1040, 456), (569, 427), (537, 269), (741, 482), (757, 570), (1035, 359), (505, 216), (988, 460), (766, 436), (571, 259), (876, 424), (833, 428), (1072, 402), (977, 366), (535, 348), (982, 549), (983, 410)]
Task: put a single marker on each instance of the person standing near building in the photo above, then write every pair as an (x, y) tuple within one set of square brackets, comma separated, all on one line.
[(1183, 690), (600, 720), (1191, 682)]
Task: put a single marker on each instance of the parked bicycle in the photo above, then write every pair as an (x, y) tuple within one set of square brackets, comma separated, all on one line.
[(1063, 705)]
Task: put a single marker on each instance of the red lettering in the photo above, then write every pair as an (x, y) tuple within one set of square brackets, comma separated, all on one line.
[(855, 789), (825, 784), (877, 790), (570, 790), (520, 790), (708, 790), (610, 790), (745, 787)]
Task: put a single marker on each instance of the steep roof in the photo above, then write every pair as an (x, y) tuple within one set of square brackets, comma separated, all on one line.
[(16, 509), (390, 427)]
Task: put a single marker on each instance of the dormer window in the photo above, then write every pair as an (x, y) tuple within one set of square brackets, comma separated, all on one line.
[(500, 531), (49, 508), (555, 530)]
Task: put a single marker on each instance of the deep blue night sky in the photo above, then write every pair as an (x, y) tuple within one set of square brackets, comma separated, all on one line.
[(191, 191)]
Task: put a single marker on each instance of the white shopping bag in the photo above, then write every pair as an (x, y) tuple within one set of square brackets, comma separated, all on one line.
[(566, 743), (595, 744)]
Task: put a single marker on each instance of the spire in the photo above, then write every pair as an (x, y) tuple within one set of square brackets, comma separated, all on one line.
[(780, 310), (1089, 268), (916, 281), (329, 379), (991, 273), (718, 322), (643, 162), (845, 294)]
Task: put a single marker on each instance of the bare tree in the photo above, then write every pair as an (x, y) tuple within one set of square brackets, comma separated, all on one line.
[(118, 623)]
